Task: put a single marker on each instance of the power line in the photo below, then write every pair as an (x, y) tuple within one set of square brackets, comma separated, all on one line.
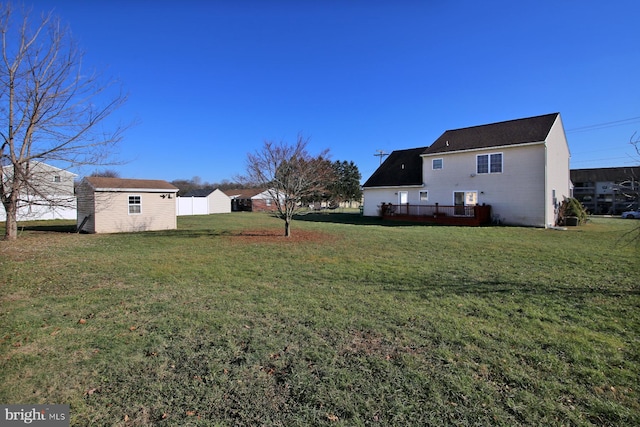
[(381, 154), (605, 125)]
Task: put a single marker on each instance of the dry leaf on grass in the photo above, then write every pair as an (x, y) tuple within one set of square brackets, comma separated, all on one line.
[(332, 417)]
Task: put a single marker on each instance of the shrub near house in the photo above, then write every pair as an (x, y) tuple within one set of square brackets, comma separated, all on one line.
[(571, 212)]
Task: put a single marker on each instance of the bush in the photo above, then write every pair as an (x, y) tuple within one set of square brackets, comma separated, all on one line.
[(571, 207)]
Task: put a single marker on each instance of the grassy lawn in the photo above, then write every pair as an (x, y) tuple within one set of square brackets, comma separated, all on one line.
[(350, 322)]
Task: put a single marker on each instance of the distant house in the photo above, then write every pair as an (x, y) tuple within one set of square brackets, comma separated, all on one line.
[(114, 205), (252, 200), (49, 196), (520, 168), (203, 202), (607, 190)]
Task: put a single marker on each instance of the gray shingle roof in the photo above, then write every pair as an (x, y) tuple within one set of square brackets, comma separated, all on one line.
[(101, 183), (402, 167), (512, 132)]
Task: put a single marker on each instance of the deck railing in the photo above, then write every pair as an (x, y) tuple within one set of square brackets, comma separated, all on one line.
[(470, 215)]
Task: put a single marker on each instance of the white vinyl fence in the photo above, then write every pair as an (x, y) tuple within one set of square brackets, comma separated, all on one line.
[(192, 206)]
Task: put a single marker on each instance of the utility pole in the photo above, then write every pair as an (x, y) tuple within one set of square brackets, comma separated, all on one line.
[(381, 154)]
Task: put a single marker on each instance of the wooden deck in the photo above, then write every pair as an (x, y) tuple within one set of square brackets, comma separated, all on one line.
[(437, 214)]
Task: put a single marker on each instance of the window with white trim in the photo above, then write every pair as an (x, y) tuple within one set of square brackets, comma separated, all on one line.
[(424, 196), (436, 164), (489, 163), (135, 205)]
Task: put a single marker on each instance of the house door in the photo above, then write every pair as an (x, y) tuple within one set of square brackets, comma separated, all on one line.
[(403, 199), (462, 199), (458, 203)]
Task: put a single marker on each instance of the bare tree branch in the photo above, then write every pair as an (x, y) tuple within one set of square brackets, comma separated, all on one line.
[(290, 174), (50, 109)]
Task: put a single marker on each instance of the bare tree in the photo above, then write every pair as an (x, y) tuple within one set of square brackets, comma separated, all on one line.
[(107, 173), (634, 234), (290, 174), (51, 110)]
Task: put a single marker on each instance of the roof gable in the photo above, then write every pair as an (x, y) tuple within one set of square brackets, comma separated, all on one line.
[(121, 184), (511, 132), (402, 167)]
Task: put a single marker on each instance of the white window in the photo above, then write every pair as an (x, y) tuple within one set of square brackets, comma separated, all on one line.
[(424, 196), (489, 163), (135, 205), (436, 164)]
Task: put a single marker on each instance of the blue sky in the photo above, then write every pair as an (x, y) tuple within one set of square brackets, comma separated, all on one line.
[(209, 81)]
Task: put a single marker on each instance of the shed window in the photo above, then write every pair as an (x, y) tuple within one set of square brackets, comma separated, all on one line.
[(134, 205)]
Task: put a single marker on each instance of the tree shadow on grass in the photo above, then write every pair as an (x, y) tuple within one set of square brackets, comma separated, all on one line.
[(352, 219), (436, 287), (48, 228)]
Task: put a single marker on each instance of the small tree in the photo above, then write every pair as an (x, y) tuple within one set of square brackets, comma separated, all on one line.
[(50, 109), (571, 207), (290, 174)]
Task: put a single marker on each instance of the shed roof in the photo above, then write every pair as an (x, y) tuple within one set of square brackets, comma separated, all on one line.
[(122, 184), (402, 167), (200, 192), (244, 193), (511, 132)]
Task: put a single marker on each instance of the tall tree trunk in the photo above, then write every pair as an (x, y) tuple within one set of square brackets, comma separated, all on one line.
[(11, 224)]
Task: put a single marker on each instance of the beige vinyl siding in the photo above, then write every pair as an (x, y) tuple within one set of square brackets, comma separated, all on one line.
[(516, 194), (219, 202), (374, 197), (112, 212), (558, 170)]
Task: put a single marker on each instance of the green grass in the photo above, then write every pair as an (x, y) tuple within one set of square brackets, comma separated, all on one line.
[(352, 322)]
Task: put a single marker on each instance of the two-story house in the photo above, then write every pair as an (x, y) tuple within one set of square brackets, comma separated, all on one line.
[(49, 195), (518, 167)]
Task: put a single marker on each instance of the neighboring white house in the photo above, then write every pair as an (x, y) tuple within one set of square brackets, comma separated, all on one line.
[(519, 167), (113, 205), (203, 202), (50, 194)]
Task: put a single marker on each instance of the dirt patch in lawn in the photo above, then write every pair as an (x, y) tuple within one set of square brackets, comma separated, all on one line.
[(277, 235)]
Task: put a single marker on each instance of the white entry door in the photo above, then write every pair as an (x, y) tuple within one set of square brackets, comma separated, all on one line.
[(403, 197)]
